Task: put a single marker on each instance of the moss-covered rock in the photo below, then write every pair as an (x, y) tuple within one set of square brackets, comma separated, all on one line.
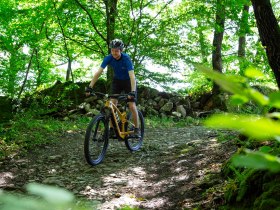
[(62, 95), (251, 189), (270, 198)]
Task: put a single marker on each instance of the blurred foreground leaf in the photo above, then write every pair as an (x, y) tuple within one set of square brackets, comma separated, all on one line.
[(13, 202), (254, 73), (236, 85), (51, 194), (230, 83), (258, 97), (275, 99), (45, 198), (257, 160), (254, 126), (236, 100)]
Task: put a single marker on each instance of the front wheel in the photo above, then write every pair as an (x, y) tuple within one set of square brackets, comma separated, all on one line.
[(96, 140), (131, 142)]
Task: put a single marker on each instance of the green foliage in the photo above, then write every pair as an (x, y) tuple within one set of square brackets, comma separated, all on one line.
[(257, 160), (197, 82), (259, 127), (41, 39), (7, 148), (246, 169)]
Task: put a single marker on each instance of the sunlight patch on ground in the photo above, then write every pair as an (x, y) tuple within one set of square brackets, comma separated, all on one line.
[(188, 203), (157, 203), (213, 140), (116, 187), (5, 178), (214, 143), (120, 201), (181, 177), (197, 142)]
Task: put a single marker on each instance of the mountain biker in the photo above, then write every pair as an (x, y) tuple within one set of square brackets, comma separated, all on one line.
[(124, 78)]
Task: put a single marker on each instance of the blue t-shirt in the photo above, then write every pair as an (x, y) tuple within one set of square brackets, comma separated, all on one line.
[(121, 67)]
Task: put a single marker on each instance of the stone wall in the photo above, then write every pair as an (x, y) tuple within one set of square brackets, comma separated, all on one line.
[(68, 100), (151, 102)]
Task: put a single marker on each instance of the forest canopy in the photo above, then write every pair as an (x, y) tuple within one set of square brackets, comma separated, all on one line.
[(49, 40)]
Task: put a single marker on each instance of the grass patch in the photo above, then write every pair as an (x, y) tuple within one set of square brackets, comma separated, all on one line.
[(26, 132), (167, 122)]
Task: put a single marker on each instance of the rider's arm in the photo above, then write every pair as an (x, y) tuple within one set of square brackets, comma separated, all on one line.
[(132, 80), (96, 76)]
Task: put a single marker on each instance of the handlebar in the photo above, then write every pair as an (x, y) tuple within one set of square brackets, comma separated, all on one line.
[(118, 96)]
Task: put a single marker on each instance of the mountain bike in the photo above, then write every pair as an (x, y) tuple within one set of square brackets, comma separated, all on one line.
[(98, 132)]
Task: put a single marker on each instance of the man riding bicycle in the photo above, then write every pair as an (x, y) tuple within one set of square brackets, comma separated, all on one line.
[(123, 81)]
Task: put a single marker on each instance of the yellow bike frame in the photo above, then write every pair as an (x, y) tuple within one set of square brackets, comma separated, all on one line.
[(123, 118)]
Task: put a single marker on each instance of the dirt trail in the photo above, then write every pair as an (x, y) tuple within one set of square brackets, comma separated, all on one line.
[(172, 171)]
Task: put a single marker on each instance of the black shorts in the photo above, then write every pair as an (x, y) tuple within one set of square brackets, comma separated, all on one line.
[(122, 86)]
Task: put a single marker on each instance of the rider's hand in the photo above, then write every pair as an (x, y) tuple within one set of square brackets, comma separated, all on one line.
[(132, 94), (88, 91)]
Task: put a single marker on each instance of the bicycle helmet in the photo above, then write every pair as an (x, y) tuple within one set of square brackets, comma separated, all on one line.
[(117, 43)]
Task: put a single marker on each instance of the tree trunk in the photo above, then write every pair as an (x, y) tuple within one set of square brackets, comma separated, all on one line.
[(243, 30), (26, 74), (13, 71), (217, 41), (69, 70), (269, 34), (111, 13)]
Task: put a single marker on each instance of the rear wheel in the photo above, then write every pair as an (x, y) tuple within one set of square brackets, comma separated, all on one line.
[(96, 140), (131, 142)]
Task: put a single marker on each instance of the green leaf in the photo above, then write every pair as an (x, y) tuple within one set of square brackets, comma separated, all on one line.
[(232, 84), (265, 149), (258, 97), (254, 73), (236, 85), (274, 99), (254, 126), (257, 160), (12, 202), (51, 194), (236, 100)]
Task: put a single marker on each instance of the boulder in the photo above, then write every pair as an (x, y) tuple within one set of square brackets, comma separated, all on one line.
[(180, 109), (167, 107)]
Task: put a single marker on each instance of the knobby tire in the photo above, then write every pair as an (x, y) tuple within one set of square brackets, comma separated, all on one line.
[(96, 140), (134, 144)]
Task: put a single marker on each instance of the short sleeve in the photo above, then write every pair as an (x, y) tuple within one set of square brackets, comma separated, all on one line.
[(105, 61), (129, 64)]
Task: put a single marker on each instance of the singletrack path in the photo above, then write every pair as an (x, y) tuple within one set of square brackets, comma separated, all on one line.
[(174, 170)]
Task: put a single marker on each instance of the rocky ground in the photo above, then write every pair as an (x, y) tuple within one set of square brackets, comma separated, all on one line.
[(177, 168)]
